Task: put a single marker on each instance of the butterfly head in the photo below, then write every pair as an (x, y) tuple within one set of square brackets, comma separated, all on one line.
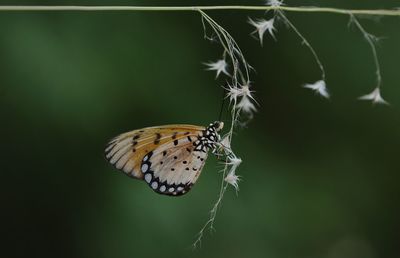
[(217, 125)]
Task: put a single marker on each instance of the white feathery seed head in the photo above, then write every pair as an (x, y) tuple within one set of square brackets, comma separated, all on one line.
[(274, 2), (246, 106), (245, 91), (262, 26), (235, 92), (375, 97), (219, 66), (319, 87), (234, 161), (231, 178)]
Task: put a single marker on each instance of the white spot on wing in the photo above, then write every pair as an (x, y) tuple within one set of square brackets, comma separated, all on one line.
[(145, 167), (154, 185), (148, 177), (163, 188)]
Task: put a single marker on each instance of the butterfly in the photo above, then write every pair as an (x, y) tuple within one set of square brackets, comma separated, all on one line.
[(168, 158)]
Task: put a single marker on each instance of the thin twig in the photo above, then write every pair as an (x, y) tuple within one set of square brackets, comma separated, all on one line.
[(305, 42), (240, 75), (380, 12), (370, 39)]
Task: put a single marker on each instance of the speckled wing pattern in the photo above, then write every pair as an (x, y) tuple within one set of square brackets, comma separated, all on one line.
[(168, 157)]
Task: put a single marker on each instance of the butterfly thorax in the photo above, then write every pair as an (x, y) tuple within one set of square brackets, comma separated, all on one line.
[(208, 138)]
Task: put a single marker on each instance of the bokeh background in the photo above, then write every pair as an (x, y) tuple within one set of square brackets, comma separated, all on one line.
[(320, 178)]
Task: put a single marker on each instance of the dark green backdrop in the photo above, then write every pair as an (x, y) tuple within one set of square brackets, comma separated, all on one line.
[(320, 178)]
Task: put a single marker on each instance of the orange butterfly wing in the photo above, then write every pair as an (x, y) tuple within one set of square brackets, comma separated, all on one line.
[(162, 146)]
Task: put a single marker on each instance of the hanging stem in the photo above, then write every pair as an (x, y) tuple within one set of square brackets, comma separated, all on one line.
[(305, 42), (370, 39)]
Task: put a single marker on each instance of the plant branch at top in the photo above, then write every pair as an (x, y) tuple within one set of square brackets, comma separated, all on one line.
[(379, 12)]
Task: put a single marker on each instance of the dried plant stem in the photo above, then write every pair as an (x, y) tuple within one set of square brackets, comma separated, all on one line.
[(240, 74), (380, 12), (304, 41), (370, 39), (213, 213)]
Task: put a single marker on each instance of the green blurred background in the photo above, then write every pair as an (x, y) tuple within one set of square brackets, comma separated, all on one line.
[(320, 178)]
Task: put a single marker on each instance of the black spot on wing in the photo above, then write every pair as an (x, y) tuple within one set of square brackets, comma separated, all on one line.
[(158, 137)]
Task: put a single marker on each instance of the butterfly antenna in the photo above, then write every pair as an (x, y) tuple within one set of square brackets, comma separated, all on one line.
[(222, 105)]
